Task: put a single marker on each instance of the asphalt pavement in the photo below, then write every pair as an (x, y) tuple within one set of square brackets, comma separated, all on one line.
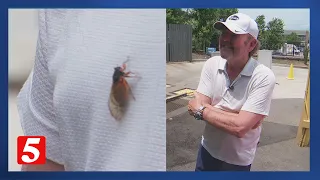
[(278, 149)]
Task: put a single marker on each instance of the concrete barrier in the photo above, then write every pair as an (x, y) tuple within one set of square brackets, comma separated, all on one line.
[(265, 57)]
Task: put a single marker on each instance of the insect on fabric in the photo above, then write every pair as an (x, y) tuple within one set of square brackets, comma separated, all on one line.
[(121, 93)]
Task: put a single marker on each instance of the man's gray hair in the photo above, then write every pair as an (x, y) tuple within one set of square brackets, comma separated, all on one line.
[(255, 49)]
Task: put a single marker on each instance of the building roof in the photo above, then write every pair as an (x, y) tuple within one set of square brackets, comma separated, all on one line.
[(298, 32)]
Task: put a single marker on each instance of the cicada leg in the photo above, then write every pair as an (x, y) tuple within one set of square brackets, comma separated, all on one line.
[(124, 64)]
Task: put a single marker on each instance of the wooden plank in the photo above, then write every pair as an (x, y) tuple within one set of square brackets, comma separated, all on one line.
[(303, 134), (305, 124), (307, 97)]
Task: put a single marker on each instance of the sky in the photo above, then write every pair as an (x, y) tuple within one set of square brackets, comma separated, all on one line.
[(294, 19)]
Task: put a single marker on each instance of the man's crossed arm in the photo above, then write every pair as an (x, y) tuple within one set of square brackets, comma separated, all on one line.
[(233, 123)]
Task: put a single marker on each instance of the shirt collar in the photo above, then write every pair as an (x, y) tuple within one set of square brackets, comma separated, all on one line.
[(246, 71)]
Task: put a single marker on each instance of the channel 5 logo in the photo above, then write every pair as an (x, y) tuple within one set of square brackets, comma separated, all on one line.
[(31, 150)]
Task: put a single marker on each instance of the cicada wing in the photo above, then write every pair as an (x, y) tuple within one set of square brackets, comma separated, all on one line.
[(119, 99), (131, 94), (121, 93), (114, 107)]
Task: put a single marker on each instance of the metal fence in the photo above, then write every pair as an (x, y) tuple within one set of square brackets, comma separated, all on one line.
[(179, 42)]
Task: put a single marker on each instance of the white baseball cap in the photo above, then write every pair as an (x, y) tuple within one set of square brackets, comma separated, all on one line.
[(239, 23)]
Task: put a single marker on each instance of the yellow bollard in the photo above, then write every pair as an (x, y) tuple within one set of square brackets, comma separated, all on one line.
[(291, 74)]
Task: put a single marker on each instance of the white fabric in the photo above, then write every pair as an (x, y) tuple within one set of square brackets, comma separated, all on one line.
[(252, 92), (66, 96), (240, 23)]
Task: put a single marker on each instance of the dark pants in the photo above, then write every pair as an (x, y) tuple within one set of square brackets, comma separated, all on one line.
[(205, 162)]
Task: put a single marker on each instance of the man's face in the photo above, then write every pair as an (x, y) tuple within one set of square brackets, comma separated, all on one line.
[(235, 46)]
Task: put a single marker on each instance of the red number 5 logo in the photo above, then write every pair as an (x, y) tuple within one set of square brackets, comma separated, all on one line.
[(31, 150)]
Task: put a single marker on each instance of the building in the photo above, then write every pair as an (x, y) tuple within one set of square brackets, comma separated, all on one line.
[(303, 35)]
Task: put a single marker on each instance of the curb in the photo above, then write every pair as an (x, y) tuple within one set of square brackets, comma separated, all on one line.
[(286, 65), (199, 60), (174, 97)]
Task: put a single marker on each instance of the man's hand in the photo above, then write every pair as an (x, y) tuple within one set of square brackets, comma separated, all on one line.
[(193, 106), (257, 125), (198, 101)]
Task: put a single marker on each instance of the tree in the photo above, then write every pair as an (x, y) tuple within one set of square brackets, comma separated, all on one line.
[(225, 13), (261, 23), (202, 25), (293, 38), (306, 54), (273, 35), (176, 16), (202, 22), (260, 20)]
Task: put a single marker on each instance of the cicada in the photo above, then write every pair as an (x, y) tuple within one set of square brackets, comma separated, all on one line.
[(121, 93)]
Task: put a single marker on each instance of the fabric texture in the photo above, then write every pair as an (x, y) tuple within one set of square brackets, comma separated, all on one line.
[(66, 96)]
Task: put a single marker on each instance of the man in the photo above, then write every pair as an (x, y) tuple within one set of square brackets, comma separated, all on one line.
[(233, 97)]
